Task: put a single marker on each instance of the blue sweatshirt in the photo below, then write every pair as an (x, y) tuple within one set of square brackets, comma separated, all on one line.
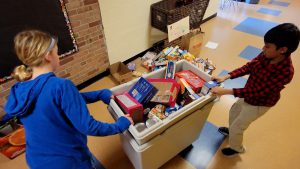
[(56, 121)]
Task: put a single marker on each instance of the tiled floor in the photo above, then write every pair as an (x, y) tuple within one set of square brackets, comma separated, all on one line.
[(250, 52), (279, 3), (204, 148), (269, 11), (255, 26), (272, 141)]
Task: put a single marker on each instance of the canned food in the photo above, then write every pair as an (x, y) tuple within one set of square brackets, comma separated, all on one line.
[(140, 127), (151, 121)]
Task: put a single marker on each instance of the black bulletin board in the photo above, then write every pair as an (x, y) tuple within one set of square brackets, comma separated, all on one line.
[(46, 15)]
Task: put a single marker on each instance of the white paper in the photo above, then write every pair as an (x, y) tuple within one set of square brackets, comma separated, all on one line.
[(179, 28), (211, 45)]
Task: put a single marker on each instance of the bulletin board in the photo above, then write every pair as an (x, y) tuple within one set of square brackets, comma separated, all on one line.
[(46, 15)]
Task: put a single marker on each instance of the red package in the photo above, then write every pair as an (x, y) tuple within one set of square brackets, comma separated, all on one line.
[(192, 79), (130, 106)]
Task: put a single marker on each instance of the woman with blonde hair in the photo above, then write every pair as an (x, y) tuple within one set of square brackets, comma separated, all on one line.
[(53, 112)]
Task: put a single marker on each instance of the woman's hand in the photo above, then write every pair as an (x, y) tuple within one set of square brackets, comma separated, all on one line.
[(127, 116)]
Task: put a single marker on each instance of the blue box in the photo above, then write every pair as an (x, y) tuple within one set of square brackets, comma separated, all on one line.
[(208, 85), (142, 91)]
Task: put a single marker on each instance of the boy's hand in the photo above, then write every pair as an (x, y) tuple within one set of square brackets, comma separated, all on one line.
[(129, 118), (220, 79), (221, 91)]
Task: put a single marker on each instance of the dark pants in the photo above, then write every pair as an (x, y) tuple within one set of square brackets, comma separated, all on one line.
[(95, 163)]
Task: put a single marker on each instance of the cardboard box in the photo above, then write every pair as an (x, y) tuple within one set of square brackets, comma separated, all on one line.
[(131, 107), (142, 91), (12, 139), (120, 72), (167, 91)]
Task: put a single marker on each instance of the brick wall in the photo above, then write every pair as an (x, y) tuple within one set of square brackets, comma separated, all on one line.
[(91, 59)]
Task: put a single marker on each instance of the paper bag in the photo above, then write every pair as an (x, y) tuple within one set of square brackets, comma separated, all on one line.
[(193, 41)]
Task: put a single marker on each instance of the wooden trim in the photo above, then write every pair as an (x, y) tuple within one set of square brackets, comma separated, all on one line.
[(209, 18)]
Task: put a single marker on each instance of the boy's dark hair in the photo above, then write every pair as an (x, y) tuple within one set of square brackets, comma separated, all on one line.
[(284, 35)]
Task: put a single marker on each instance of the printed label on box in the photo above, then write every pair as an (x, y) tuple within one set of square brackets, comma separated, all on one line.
[(142, 91), (126, 101)]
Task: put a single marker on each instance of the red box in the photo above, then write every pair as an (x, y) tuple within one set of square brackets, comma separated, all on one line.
[(131, 107), (167, 91), (192, 79)]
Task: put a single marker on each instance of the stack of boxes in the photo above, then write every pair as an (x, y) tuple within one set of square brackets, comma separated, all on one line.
[(171, 53)]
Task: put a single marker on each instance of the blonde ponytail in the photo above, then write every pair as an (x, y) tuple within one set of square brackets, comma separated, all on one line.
[(22, 73), (31, 46)]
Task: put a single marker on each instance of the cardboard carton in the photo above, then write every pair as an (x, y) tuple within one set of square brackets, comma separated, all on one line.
[(167, 91), (120, 72)]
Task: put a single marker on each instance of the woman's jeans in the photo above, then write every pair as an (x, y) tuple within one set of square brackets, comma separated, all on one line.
[(95, 163)]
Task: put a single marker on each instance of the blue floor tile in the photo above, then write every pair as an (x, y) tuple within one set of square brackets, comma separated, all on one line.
[(279, 3), (250, 52), (204, 148), (255, 26), (233, 83), (269, 11)]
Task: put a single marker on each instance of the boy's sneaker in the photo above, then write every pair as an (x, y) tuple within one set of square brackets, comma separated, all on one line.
[(224, 131), (229, 152)]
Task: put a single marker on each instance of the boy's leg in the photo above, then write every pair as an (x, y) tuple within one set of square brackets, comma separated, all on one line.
[(233, 113), (235, 110), (95, 163), (248, 114)]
